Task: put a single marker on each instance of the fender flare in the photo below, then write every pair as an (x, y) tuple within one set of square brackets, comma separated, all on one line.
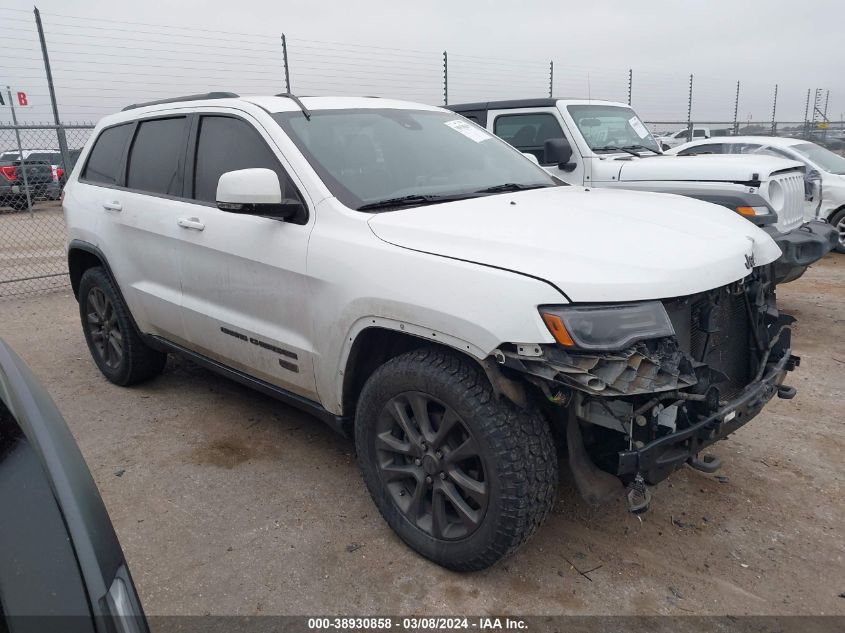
[(404, 327)]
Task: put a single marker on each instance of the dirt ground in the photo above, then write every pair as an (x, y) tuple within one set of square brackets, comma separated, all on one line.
[(227, 502)]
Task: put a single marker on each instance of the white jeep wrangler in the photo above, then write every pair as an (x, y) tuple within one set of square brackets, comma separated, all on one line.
[(420, 285), (605, 144)]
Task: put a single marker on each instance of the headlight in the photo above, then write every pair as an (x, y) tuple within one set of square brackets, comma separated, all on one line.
[(777, 197), (607, 327)]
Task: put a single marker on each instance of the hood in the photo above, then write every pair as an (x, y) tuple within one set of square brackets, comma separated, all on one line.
[(592, 244), (717, 167)]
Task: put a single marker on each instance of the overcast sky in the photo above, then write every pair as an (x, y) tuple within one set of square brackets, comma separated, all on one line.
[(107, 54)]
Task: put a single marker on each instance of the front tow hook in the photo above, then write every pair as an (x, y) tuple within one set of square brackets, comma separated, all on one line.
[(786, 393), (708, 463)]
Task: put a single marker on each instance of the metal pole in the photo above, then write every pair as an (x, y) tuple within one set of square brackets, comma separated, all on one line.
[(551, 78), (630, 83), (285, 58), (824, 115), (20, 151), (689, 112), (445, 78), (774, 111), (806, 112), (736, 110), (60, 132)]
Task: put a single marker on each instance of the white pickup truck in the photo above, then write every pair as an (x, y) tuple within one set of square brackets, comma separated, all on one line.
[(605, 144)]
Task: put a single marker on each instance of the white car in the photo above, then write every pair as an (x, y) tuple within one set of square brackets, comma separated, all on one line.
[(605, 144), (673, 139), (420, 285), (821, 164)]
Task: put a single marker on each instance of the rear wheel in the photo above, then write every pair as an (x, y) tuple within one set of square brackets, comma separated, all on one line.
[(838, 221), (117, 348), (463, 477)]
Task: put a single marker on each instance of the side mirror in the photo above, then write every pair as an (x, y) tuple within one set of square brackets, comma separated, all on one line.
[(255, 192), (558, 151), (531, 157)]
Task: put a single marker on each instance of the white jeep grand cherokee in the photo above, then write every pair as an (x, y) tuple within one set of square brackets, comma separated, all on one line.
[(419, 284)]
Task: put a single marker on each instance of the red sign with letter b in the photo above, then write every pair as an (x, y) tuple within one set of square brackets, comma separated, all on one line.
[(22, 99)]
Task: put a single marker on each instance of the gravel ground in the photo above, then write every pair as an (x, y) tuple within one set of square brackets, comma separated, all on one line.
[(227, 502)]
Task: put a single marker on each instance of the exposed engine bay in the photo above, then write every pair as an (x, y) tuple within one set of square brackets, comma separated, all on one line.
[(643, 411)]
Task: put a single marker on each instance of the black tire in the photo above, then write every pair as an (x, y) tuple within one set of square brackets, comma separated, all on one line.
[(114, 343), (837, 220), (514, 459)]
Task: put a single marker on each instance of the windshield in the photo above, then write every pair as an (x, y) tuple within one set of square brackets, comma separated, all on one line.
[(605, 126), (824, 158), (369, 156)]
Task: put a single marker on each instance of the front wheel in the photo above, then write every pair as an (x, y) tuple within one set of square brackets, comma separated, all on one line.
[(838, 222), (463, 477)]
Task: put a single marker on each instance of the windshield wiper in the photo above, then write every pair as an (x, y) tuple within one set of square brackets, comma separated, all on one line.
[(411, 200), (641, 147), (613, 148), (511, 186)]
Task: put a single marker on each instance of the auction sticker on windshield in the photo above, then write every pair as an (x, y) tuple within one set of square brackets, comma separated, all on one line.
[(638, 126), (468, 130)]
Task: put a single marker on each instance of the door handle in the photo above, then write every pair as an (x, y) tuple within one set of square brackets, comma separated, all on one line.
[(112, 205), (190, 223)]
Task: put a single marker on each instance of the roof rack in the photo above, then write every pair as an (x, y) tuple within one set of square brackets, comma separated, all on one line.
[(199, 97), (295, 99)]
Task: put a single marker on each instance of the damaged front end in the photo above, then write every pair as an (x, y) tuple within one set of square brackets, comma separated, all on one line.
[(643, 410)]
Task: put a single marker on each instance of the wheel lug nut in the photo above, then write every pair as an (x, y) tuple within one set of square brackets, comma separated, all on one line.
[(418, 462), (439, 454), (428, 479), (423, 446), (442, 475)]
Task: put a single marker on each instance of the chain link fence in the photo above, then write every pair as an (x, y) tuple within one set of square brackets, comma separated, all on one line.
[(32, 228), (71, 67)]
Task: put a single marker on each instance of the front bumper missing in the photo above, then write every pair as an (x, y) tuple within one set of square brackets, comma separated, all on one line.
[(657, 459), (802, 247)]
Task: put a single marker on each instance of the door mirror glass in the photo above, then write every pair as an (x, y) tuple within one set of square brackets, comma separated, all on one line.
[(255, 191), (558, 151)]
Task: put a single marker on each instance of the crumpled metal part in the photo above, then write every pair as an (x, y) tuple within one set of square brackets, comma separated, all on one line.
[(645, 367)]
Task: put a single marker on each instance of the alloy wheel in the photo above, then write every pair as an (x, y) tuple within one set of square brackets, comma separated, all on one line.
[(431, 465), (103, 328)]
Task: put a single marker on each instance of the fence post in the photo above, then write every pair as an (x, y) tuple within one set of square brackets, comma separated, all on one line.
[(736, 110), (774, 111), (445, 78), (630, 83), (20, 151), (551, 78), (60, 131), (285, 59), (689, 112), (806, 112)]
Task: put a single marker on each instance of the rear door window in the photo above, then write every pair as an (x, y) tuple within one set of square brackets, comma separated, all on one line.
[(106, 157), (157, 155), (228, 144)]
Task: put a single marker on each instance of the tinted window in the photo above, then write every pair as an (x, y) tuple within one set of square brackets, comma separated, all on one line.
[(156, 157), (742, 148), (698, 133), (226, 144), (54, 158), (706, 148), (105, 159), (528, 132)]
